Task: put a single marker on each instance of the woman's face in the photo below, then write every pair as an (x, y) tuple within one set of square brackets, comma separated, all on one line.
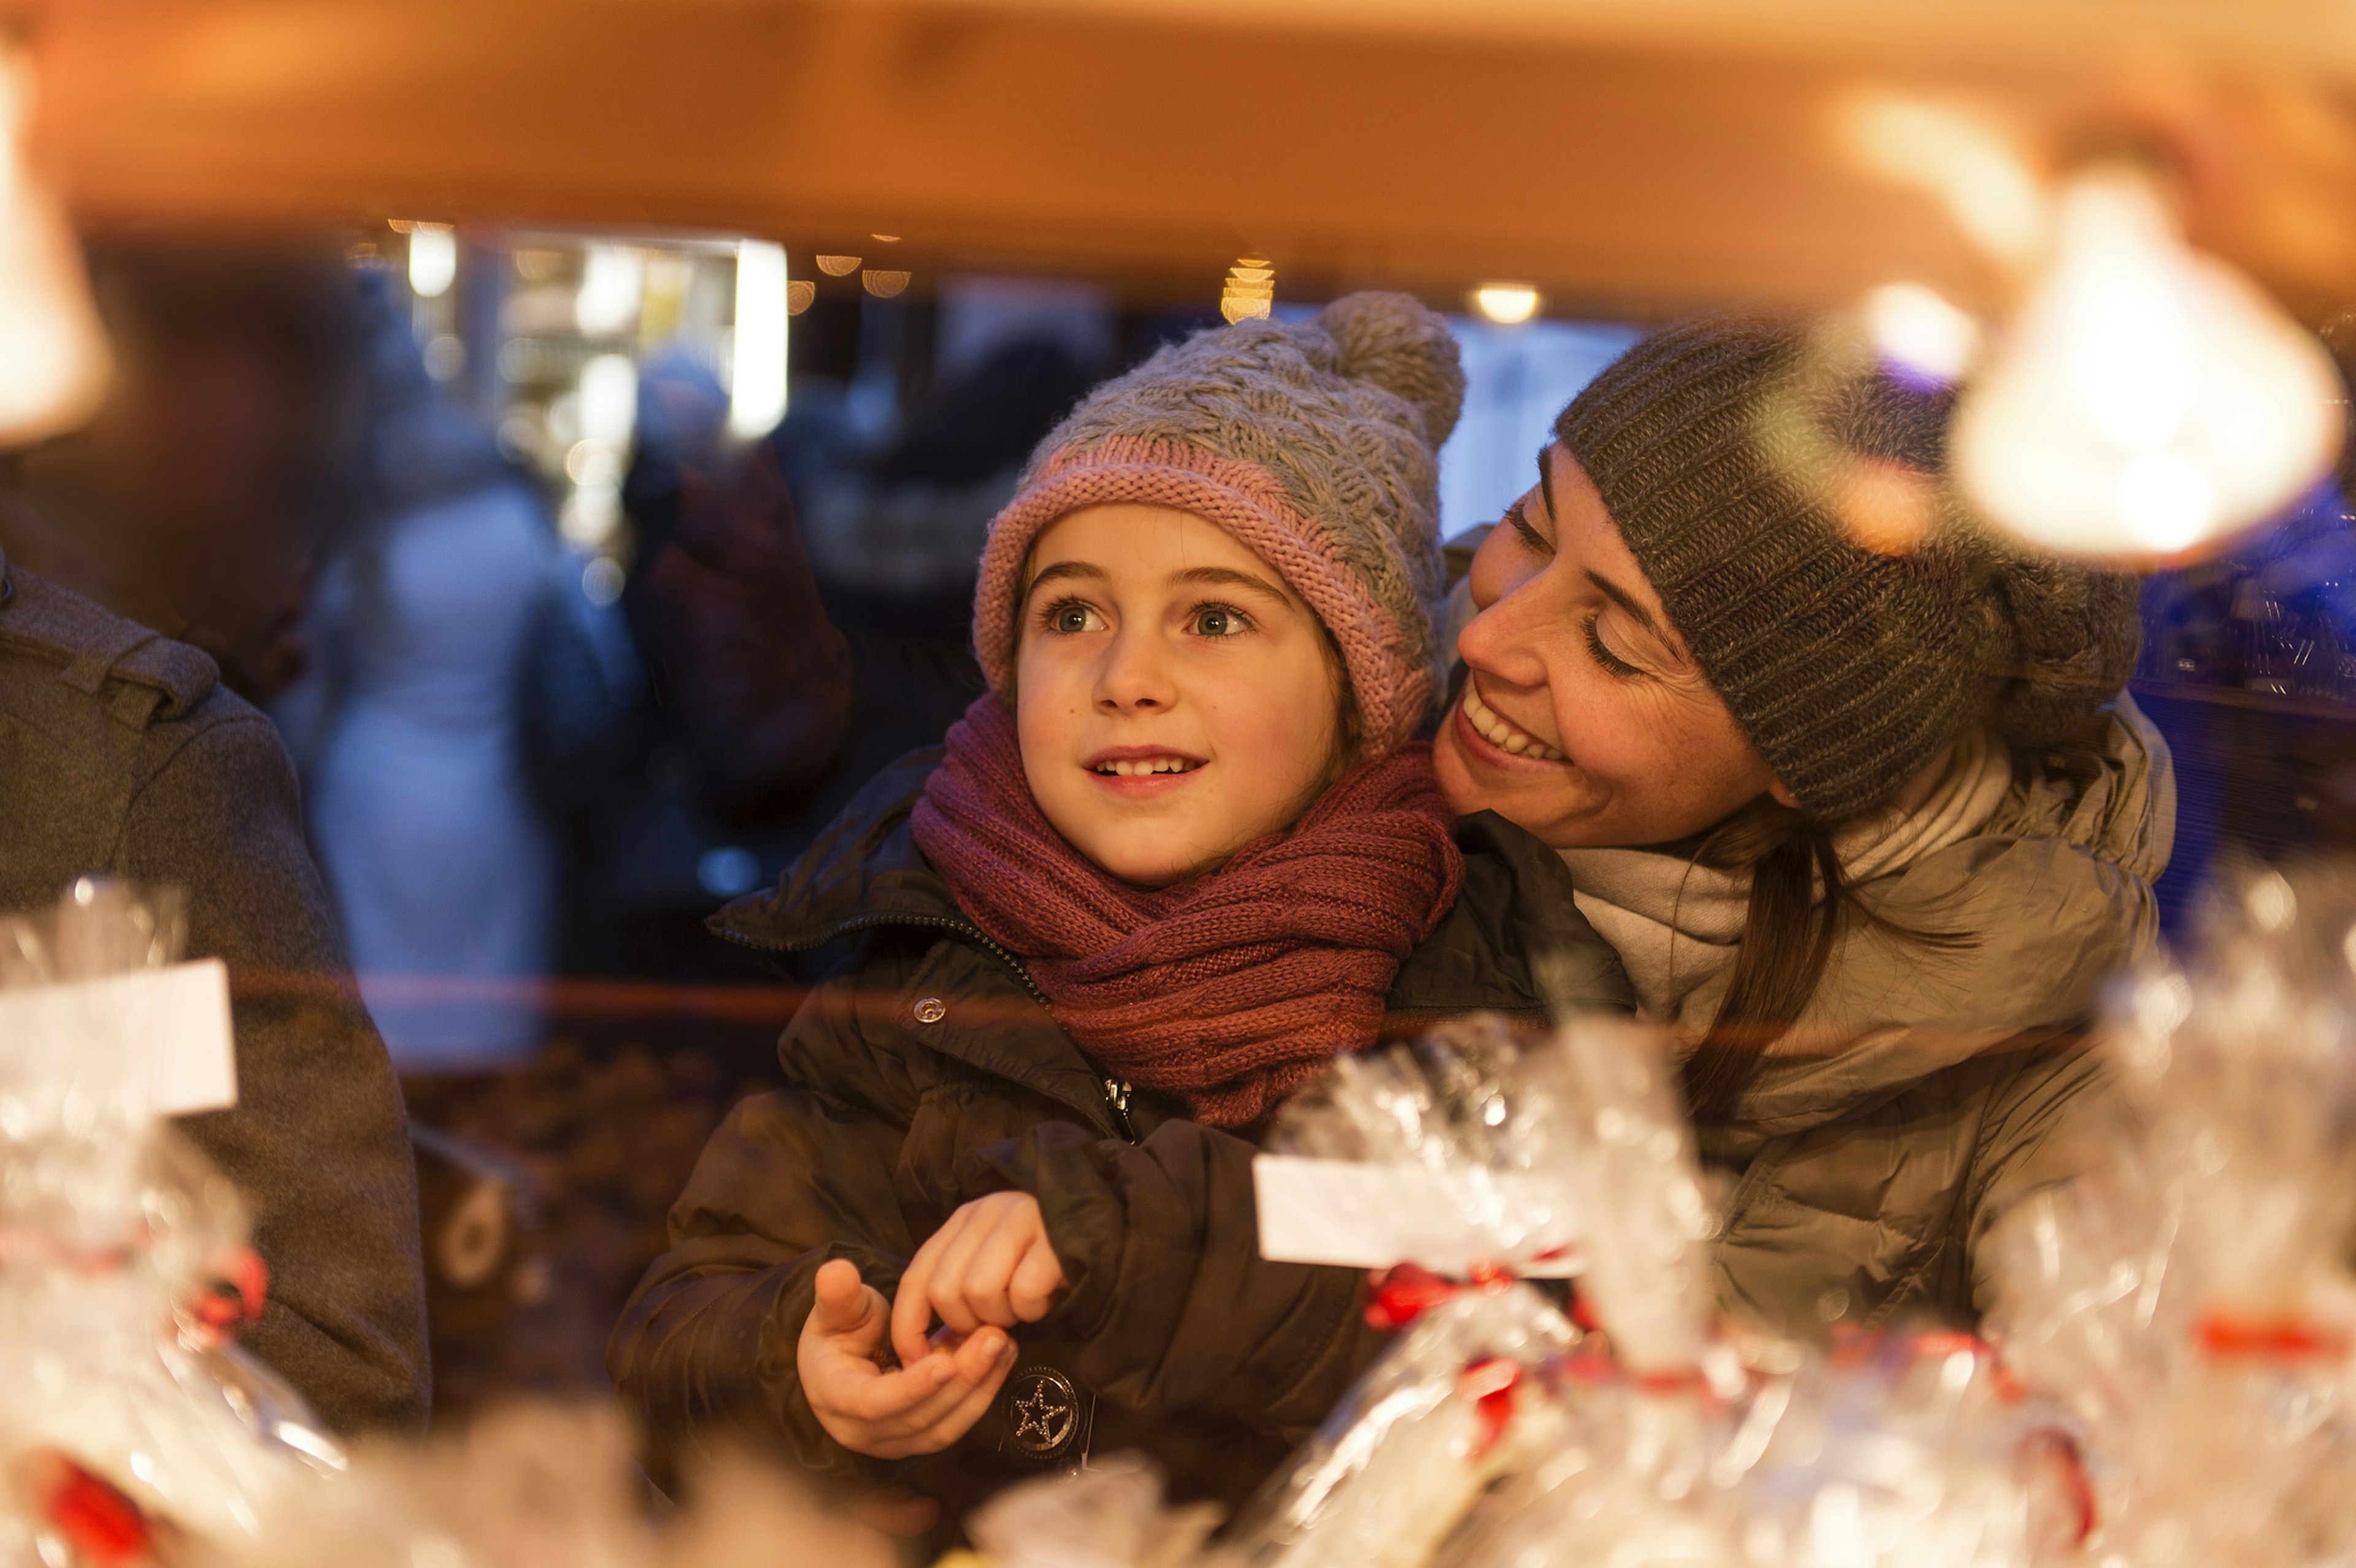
[(1584, 719)]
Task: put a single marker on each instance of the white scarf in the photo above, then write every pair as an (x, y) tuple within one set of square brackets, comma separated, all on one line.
[(1677, 925)]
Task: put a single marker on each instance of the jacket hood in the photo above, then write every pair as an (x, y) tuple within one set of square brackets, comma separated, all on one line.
[(2051, 897)]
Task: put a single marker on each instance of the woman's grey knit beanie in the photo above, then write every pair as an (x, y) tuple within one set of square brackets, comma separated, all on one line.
[(1847, 667), (1315, 444)]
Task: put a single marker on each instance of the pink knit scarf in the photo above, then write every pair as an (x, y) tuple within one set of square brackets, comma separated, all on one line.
[(1230, 990)]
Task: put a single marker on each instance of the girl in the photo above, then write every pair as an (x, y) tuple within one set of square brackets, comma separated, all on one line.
[(1181, 854)]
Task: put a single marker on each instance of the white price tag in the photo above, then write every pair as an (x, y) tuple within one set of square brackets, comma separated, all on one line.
[(183, 1010), (1358, 1215)]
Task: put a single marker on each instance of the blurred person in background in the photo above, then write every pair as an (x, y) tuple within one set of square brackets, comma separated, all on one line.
[(196, 501), (411, 728), (895, 537), (782, 675), (193, 501)]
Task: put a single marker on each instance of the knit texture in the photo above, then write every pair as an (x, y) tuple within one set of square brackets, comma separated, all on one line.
[(1230, 990), (1847, 667), (1314, 444)]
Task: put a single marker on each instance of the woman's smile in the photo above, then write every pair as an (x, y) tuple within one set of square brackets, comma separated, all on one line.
[(1494, 739)]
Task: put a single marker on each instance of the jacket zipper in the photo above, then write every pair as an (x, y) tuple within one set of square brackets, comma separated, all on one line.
[(1116, 1091)]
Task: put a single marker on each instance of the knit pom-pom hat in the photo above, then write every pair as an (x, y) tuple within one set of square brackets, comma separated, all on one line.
[(1315, 445), (1848, 668)]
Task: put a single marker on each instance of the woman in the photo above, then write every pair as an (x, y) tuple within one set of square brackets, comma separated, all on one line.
[(1867, 830)]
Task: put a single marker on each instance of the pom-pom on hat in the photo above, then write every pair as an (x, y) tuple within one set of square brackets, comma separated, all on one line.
[(1314, 444)]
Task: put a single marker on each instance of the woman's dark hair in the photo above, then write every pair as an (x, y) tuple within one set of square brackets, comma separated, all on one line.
[(1800, 901)]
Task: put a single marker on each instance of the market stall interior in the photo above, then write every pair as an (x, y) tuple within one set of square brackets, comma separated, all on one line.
[(577, 424)]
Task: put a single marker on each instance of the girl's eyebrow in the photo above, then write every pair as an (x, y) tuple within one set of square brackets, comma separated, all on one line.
[(1061, 571), (1226, 577)]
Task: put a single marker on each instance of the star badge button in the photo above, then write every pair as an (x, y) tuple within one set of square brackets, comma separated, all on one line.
[(1043, 1413)]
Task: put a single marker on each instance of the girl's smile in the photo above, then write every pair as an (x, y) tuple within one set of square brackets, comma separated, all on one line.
[(1131, 771)]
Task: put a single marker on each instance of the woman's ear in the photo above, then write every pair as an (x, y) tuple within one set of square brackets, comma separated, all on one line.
[(1782, 796)]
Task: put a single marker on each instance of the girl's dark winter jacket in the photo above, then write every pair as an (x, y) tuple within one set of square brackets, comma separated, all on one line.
[(930, 1073)]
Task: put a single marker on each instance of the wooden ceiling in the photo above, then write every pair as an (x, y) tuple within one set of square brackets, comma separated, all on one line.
[(1625, 157)]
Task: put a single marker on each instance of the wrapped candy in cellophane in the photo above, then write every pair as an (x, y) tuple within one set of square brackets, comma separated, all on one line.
[(1914, 1448), (544, 1485), (1663, 1405), (131, 1426), (2189, 1297), (1563, 1155)]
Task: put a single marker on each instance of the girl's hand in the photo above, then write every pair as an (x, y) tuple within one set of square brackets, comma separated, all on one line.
[(989, 1267), (930, 1401)]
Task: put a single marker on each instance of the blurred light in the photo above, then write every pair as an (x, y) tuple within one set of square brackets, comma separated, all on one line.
[(601, 581), (1508, 304), (593, 463), (53, 358), (433, 259), (838, 266), (884, 285), (1919, 335), (519, 435), (1959, 157), (1249, 292), (445, 356), (887, 238), (756, 376), (2146, 399), (609, 400), (613, 287), (800, 293), (589, 517), (1885, 506), (727, 871)]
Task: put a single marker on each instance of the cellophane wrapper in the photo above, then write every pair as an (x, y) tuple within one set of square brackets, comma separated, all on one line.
[(1568, 1143), (113, 1230), (1109, 1514), (2188, 1298)]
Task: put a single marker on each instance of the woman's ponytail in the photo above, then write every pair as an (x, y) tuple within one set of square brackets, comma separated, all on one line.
[(1800, 900)]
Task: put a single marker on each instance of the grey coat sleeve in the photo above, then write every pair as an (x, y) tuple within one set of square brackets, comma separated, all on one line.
[(318, 1141), (2043, 1127)]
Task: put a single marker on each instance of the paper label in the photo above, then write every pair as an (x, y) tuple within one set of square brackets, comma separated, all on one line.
[(183, 1010), (1359, 1215)]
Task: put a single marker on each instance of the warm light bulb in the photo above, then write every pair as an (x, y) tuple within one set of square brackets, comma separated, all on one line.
[(612, 290), (609, 400), (433, 259), (756, 376), (53, 359), (1508, 304), (2146, 399), (1919, 336)]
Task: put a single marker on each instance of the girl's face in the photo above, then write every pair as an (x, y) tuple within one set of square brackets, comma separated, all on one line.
[(1174, 698), (1584, 719)]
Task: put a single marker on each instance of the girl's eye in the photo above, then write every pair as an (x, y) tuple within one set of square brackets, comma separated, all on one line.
[(1071, 617), (1613, 663), (1220, 621)]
